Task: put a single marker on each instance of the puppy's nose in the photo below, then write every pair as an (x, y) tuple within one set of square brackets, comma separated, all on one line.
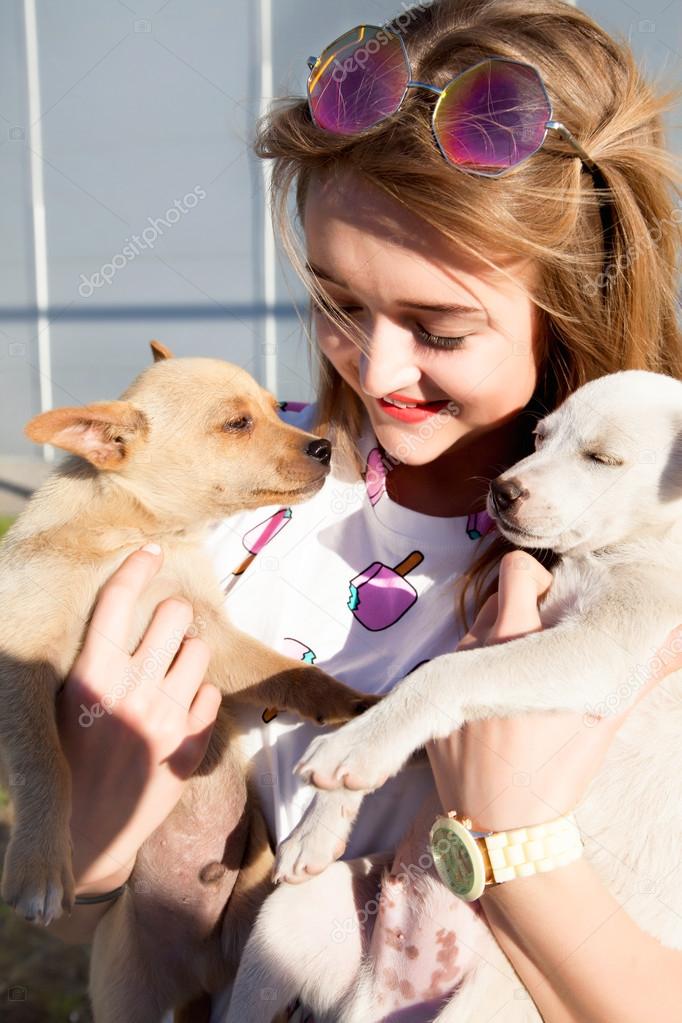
[(506, 493), (320, 449)]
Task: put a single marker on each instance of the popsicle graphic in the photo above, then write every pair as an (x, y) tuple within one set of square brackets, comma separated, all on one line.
[(479, 524), (293, 406), (257, 537), (298, 652), (380, 595), (375, 476)]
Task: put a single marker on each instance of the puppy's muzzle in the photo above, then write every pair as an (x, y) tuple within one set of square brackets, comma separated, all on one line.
[(507, 496), (320, 449)]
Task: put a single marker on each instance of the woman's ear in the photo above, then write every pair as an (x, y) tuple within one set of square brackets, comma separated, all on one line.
[(102, 432), (159, 351)]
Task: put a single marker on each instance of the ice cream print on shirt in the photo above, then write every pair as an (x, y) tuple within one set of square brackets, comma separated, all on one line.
[(298, 651), (255, 539), (479, 524), (380, 595), (375, 476), (293, 406)]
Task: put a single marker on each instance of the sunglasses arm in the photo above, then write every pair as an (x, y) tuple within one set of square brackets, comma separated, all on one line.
[(424, 85), (572, 140)]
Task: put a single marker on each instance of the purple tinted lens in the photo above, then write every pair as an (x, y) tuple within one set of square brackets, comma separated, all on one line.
[(492, 116), (358, 80)]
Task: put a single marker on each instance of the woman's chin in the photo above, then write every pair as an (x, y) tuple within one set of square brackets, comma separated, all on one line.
[(406, 445)]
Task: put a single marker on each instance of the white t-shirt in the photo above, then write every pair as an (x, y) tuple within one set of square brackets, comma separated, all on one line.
[(362, 587)]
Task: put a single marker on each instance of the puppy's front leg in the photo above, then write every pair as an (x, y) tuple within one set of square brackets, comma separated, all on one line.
[(568, 667), (319, 838), (244, 667)]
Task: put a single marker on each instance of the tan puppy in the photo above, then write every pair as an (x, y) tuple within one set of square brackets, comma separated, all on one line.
[(190, 441)]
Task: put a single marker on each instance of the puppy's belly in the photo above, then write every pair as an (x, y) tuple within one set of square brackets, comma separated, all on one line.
[(185, 873)]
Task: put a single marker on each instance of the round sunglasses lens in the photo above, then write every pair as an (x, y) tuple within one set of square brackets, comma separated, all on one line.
[(492, 116), (358, 80)]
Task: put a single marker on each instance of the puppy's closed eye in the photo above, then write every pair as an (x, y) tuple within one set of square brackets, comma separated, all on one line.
[(602, 459)]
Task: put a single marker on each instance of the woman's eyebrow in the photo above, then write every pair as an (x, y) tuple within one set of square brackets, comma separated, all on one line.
[(437, 307)]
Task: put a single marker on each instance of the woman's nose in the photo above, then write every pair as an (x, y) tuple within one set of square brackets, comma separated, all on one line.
[(387, 362)]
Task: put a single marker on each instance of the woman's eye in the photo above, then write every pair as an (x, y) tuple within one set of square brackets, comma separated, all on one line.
[(324, 306), (238, 424), (436, 341)]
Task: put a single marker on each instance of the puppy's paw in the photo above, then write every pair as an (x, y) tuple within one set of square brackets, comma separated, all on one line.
[(342, 706), (37, 881), (306, 852), (346, 758)]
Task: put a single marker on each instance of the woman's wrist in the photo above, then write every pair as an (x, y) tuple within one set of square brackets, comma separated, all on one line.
[(95, 883)]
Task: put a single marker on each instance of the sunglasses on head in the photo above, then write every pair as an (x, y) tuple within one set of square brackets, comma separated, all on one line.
[(487, 119)]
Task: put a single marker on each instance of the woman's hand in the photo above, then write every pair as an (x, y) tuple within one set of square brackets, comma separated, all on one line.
[(133, 727), (510, 772)]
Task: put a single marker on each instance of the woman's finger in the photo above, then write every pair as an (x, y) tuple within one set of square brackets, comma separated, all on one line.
[(484, 622), (163, 638), (112, 619), (201, 719), (184, 679), (205, 707), (522, 581)]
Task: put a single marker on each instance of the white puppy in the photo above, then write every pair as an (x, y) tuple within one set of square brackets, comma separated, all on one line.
[(604, 491)]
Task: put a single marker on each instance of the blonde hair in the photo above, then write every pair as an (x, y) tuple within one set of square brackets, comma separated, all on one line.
[(602, 308)]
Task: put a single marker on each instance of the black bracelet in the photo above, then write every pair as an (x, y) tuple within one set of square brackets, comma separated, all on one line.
[(90, 900)]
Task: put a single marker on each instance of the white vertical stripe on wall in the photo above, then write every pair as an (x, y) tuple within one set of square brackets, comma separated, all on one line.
[(269, 361), (40, 267)]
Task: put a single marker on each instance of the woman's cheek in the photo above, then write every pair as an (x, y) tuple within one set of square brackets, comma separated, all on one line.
[(340, 351)]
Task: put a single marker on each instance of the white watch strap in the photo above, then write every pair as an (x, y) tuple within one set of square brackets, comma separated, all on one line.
[(521, 852)]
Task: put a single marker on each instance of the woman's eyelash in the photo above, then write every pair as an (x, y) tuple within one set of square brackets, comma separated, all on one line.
[(436, 341), (425, 337)]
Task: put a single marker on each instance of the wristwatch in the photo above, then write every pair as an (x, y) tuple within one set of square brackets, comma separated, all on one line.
[(470, 861)]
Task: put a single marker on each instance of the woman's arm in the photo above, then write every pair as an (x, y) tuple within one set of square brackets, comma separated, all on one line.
[(130, 755), (79, 927), (579, 954)]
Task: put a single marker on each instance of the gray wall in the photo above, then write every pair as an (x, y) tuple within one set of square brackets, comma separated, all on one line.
[(143, 103)]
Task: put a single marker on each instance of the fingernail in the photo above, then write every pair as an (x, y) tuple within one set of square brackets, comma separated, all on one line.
[(153, 548)]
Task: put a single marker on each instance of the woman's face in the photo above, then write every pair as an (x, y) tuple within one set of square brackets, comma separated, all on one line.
[(437, 328)]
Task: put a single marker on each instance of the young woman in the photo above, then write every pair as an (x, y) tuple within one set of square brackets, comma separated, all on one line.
[(452, 309)]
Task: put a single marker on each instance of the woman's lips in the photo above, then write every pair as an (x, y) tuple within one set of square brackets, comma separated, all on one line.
[(413, 415)]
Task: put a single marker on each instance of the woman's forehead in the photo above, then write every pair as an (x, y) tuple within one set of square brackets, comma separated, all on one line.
[(361, 238)]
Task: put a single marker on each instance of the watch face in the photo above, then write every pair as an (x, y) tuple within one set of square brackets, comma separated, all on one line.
[(458, 858), (453, 860)]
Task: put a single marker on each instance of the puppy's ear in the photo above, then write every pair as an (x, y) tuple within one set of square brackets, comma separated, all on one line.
[(160, 351), (102, 432)]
